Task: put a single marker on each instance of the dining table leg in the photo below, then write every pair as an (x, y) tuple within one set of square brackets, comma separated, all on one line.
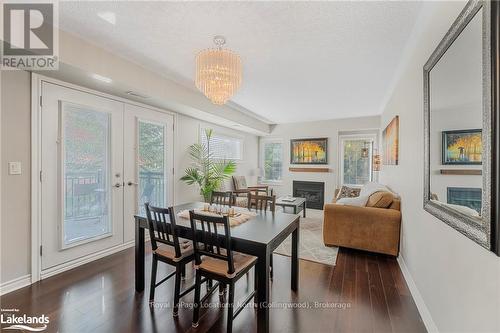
[(139, 257), (295, 259), (263, 291)]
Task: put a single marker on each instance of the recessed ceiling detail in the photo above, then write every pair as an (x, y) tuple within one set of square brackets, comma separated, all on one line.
[(303, 61)]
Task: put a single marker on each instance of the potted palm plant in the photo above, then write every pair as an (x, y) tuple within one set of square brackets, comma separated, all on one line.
[(207, 172)]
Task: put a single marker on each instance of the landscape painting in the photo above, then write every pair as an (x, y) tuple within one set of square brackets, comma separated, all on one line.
[(309, 151), (462, 147), (390, 138)]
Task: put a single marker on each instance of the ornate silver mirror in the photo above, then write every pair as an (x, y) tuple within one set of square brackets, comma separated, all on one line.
[(458, 118)]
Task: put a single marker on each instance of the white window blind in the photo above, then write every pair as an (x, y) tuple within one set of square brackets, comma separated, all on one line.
[(224, 146)]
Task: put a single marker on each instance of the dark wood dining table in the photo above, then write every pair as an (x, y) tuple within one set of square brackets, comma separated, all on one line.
[(259, 237)]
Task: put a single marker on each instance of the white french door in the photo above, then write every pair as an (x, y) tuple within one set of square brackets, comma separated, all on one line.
[(148, 167), (101, 159)]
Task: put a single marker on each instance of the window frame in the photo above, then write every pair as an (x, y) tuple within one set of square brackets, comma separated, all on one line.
[(227, 135), (348, 137), (262, 144)]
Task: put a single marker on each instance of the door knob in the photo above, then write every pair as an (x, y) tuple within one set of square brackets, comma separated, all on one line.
[(132, 183), (117, 185)]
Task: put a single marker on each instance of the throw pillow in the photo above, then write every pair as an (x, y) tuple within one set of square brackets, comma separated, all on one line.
[(348, 192), (354, 201), (380, 199)]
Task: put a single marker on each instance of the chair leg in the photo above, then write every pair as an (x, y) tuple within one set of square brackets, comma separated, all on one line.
[(255, 279), (230, 308), (222, 291), (183, 272), (209, 284), (271, 266), (177, 291), (197, 303), (153, 279)]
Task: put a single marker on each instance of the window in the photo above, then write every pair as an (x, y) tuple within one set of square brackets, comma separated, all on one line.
[(223, 146), (271, 160), (151, 163), (356, 159)]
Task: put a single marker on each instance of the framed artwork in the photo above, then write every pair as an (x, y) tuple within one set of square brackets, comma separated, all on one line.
[(462, 147), (309, 151), (390, 138)]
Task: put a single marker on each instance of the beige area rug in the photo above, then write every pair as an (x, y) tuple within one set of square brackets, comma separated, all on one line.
[(311, 245)]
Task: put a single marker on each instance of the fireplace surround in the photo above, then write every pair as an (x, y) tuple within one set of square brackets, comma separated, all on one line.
[(314, 192)]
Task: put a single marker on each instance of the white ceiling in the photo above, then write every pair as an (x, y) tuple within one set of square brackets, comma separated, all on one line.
[(302, 61)]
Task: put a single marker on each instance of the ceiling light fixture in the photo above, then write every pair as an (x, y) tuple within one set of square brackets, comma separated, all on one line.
[(218, 72), (109, 17), (102, 78), (136, 94)]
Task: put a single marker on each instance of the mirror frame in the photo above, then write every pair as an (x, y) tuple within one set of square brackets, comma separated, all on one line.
[(487, 234)]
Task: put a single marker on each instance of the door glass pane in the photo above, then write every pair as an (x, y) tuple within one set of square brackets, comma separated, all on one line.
[(86, 173), (151, 165), (357, 161), (273, 159)]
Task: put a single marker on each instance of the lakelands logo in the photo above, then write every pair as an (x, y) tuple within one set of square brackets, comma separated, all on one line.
[(16, 321), (30, 39)]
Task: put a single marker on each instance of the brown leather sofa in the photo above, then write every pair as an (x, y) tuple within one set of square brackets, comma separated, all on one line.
[(374, 229)]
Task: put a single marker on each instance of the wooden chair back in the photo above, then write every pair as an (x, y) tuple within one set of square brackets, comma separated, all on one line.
[(162, 227), (261, 202), (240, 183), (222, 198), (212, 238)]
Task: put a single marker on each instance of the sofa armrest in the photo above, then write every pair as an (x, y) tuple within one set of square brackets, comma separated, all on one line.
[(264, 187)]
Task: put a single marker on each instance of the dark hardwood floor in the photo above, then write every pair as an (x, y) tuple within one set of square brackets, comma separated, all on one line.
[(368, 290)]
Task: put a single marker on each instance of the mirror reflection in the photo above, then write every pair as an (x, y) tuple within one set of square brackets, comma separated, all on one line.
[(455, 124)]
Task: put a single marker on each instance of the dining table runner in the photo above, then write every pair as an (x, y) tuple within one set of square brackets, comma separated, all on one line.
[(241, 215)]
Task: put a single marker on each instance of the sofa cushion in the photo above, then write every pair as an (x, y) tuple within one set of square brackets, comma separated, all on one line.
[(348, 192), (380, 199), (354, 201)]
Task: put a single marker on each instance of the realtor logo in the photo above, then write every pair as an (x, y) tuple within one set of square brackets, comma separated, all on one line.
[(29, 36), (11, 319)]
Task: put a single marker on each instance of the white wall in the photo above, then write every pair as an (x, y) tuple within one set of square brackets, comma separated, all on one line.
[(15, 227), (318, 129), (187, 133), (458, 280)]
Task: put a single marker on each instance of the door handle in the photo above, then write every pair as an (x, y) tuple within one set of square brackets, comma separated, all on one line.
[(130, 183), (117, 185)]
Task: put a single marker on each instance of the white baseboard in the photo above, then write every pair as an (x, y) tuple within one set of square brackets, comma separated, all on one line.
[(429, 323), (84, 260), (15, 284), (25, 280)]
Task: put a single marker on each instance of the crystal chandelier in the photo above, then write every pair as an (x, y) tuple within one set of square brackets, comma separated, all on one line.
[(218, 72)]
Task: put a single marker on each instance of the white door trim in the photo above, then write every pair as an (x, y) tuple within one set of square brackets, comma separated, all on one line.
[(36, 175), (36, 212)]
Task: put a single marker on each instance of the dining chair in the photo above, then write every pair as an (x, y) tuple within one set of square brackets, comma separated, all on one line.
[(215, 260), (262, 203), (241, 189), (168, 248), (222, 198)]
